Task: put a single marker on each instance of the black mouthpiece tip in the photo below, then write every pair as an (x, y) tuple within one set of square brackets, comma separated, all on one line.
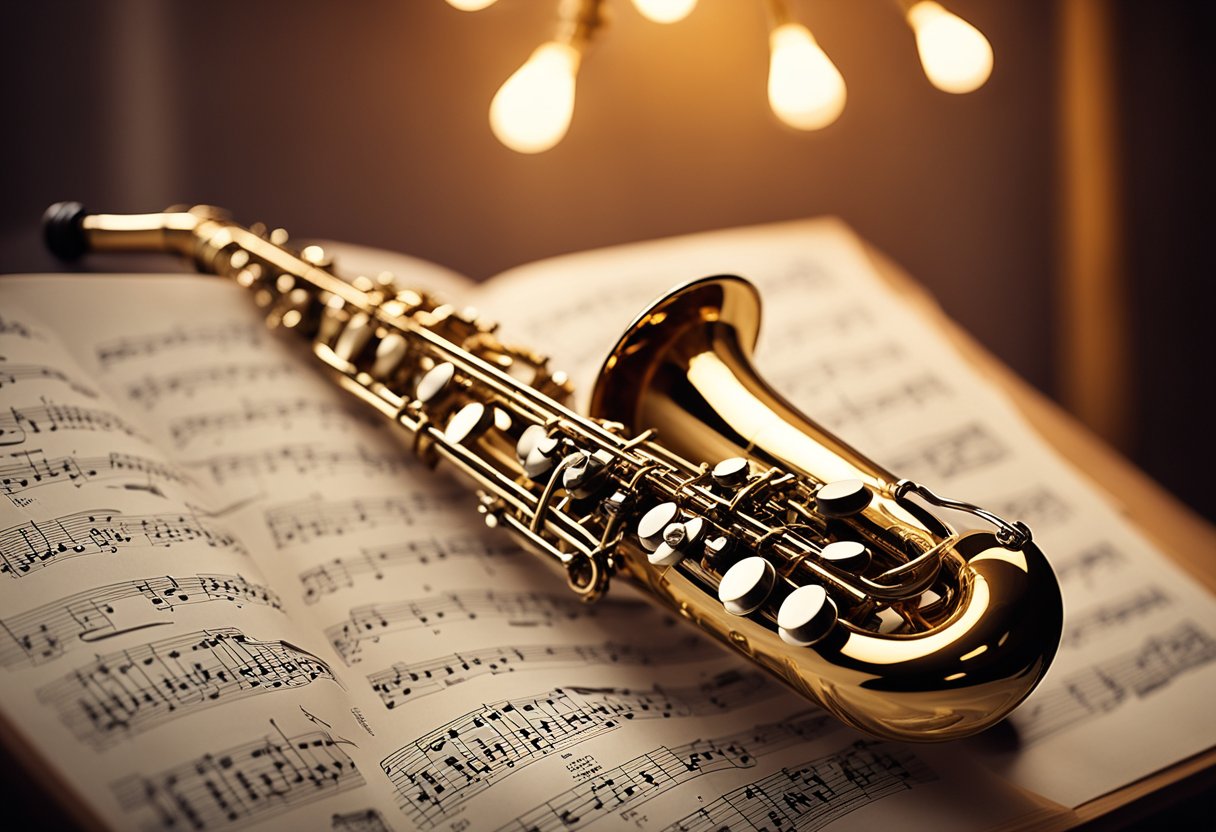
[(62, 230)]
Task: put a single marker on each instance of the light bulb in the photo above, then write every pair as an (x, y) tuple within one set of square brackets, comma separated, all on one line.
[(956, 55), (531, 111), (470, 5), (805, 89), (665, 11)]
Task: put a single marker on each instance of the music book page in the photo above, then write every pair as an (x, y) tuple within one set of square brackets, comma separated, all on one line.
[(231, 599), (1130, 689)]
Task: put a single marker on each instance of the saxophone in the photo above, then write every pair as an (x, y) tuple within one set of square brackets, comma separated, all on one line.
[(690, 478)]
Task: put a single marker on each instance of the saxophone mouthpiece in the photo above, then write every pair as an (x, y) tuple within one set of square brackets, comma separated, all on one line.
[(63, 230)]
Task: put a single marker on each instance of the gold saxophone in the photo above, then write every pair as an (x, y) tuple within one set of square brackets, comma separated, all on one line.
[(690, 477)]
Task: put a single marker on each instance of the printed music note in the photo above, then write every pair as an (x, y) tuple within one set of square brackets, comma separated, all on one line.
[(1098, 619), (46, 632), (242, 784), (125, 693), (19, 423), (36, 544), (1062, 703), (302, 460), (798, 332), (1090, 564), (150, 390), (899, 398), (230, 335), (406, 682), (815, 793), (437, 773), (365, 820), (11, 374), (661, 770), (968, 448), (522, 609), (341, 572), (1038, 507), (15, 328), (813, 377), (335, 415), (31, 469), (307, 520)]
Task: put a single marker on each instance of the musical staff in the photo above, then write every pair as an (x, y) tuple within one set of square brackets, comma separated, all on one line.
[(31, 469), (1038, 507), (328, 414), (37, 544), (795, 333), (1119, 611), (8, 326), (1061, 704), (222, 337), (45, 633), (409, 681), (437, 773), (1086, 566), (125, 693), (20, 422), (301, 460), (371, 622), (966, 449), (900, 397), (242, 784), (11, 374), (649, 775), (800, 275), (314, 518), (150, 390), (813, 376), (341, 573), (365, 820), (815, 793)]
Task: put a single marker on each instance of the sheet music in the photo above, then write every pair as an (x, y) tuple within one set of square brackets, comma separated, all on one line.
[(407, 647), (256, 575), (837, 344)]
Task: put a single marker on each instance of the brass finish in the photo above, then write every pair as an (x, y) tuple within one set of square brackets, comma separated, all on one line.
[(933, 636)]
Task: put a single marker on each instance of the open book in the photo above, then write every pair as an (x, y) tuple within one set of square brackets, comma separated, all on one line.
[(230, 599)]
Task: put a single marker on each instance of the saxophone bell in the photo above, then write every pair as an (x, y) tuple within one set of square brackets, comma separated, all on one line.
[(870, 604)]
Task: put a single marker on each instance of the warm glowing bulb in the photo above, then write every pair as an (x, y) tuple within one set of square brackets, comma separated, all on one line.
[(531, 111), (665, 11), (956, 55), (470, 5), (804, 87)]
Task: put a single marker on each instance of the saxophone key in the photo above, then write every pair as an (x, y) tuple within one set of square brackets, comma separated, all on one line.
[(528, 440), (390, 353), (806, 615), (354, 338), (333, 320), (678, 540), (434, 382), (848, 555), (654, 522), (585, 472), (746, 585), (540, 459), (468, 423), (842, 498), (732, 472)]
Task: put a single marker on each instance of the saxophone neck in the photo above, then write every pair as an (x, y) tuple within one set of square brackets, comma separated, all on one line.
[(71, 231)]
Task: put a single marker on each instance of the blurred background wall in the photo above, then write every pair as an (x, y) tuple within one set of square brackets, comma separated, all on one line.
[(367, 122), (1063, 213)]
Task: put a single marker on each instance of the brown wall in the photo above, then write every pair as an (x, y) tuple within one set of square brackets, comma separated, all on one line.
[(366, 121)]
